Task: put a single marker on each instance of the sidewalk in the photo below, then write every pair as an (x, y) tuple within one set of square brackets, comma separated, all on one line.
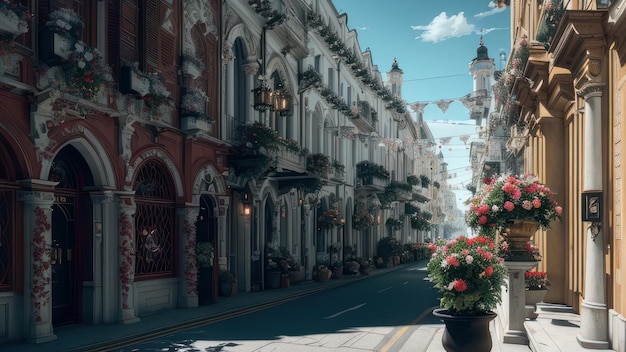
[(553, 331)]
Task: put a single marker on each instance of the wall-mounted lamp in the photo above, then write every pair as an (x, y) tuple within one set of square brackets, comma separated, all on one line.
[(262, 96), (247, 210), (281, 100)]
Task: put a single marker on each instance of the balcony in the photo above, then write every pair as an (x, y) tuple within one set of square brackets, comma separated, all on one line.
[(364, 117), (370, 184), (336, 174), (420, 194), (403, 191)]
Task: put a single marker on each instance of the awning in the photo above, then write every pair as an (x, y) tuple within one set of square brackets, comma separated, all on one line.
[(291, 179)]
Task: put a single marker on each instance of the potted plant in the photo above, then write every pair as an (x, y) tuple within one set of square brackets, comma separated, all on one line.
[(536, 284), (227, 283), (321, 273), (329, 219), (469, 275), (514, 205)]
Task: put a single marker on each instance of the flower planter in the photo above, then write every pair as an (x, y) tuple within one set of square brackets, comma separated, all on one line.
[(132, 82), (520, 233), (296, 276), (465, 333), (54, 48), (192, 123), (273, 279), (323, 276), (284, 281), (10, 23), (227, 289), (532, 298), (337, 273)]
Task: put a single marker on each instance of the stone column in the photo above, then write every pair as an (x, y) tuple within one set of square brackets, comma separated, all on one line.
[(515, 303), (37, 241), (126, 256), (189, 284), (594, 315)]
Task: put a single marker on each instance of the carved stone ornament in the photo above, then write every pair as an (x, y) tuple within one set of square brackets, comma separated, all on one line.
[(594, 67)]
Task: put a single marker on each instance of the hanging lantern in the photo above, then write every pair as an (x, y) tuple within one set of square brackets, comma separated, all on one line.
[(262, 97), (281, 100)]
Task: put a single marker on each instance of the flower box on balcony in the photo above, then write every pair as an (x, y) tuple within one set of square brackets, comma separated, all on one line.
[(191, 123), (133, 82), (54, 48), (11, 23)]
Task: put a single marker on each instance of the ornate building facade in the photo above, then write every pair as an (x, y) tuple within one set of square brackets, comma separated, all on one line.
[(134, 133)]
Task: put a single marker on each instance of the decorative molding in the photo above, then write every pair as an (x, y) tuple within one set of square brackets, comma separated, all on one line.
[(591, 90)]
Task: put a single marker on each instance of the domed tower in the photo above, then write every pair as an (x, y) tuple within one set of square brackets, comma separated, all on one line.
[(482, 68), (394, 79)]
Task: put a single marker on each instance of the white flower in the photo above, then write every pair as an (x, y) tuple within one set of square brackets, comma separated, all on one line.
[(495, 208), (469, 259), (444, 264), (81, 64), (88, 56), (79, 47)]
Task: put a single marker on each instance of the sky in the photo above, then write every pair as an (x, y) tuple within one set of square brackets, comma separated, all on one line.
[(434, 42)]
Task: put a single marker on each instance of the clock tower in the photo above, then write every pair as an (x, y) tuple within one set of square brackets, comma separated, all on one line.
[(482, 69), (394, 79)]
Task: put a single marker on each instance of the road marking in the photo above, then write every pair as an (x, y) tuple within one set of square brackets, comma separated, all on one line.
[(385, 289), (344, 311), (406, 283), (402, 331)]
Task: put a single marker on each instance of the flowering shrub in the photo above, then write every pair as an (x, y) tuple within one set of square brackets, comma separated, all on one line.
[(318, 163), (84, 72), (194, 104), (536, 280), (362, 220), (65, 21), (254, 136), (468, 273), (511, 197), (17, 17), (158, 96), (329, 219)]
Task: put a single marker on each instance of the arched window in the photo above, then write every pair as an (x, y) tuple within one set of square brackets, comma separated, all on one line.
[(155, 222), (7, 220), (240, 88)]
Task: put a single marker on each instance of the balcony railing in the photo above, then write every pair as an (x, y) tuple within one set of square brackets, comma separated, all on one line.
[(364, 117)]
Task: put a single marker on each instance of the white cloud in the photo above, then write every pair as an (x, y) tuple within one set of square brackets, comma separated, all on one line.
[(361, 28), (443, 27), (484, 31), (494, 10)]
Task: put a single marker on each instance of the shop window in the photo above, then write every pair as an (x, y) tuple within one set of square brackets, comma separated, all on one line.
[(154, 222)]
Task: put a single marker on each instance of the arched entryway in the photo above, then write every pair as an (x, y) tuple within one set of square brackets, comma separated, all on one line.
[(72, 242), (206, 237)]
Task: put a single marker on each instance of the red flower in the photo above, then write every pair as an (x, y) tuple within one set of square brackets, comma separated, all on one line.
[(488, 271), (460, 285)]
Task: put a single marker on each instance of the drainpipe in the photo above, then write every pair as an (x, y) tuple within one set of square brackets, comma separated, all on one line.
[(594, 316)]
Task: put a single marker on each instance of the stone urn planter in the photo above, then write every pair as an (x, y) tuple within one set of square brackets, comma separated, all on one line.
[(273, 279), (518, 235), (532, 298), (465, 333)]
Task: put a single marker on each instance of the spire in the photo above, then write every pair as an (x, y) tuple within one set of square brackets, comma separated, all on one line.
[(394, 66), (481, 52)]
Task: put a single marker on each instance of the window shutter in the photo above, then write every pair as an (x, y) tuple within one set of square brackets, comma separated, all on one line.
[(113, 34), (152, 30), (129, 30)]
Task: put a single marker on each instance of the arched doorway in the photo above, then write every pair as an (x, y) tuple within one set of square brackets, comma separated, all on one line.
[(71, 249), (206, 233)]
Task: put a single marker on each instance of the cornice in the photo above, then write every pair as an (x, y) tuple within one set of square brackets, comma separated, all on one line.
[(581, 45)]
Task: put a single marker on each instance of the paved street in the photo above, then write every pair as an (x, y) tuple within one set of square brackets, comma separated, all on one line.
[(377, 314)]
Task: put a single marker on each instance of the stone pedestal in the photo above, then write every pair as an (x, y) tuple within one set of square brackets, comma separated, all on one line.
[(514, 305)]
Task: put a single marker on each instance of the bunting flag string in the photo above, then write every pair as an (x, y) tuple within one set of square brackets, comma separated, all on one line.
[(470, 100)]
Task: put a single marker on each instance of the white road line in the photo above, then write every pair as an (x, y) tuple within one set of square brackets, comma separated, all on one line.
[(385, 289), (344, 311)]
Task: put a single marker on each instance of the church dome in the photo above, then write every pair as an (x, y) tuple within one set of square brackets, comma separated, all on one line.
[(481, 52)]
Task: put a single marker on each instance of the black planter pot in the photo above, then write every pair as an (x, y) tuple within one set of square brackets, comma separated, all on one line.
[(465, 333)]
